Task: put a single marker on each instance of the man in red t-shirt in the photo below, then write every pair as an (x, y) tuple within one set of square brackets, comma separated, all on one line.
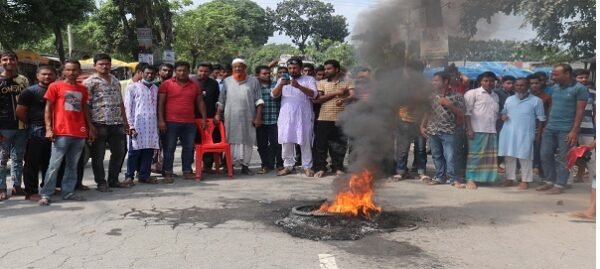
[(176, 118), (67, 126)]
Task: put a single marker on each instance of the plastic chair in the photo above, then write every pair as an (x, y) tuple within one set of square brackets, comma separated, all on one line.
[(207, 145)]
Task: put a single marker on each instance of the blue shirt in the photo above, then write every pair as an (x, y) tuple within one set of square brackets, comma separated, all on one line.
[(518, 133), (550, 88), (564, 105), (588, 126)]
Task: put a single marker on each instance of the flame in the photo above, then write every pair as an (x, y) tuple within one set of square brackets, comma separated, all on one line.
[(357, 198)]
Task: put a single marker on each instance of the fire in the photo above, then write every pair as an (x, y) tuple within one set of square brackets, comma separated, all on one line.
[(356, 198)]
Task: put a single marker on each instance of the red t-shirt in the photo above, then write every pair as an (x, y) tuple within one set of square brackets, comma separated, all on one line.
[(180, 100), (69, 117)]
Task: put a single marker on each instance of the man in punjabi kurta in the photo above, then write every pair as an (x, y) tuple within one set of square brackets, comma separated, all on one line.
[(519, 131), (241, 101), (141, 102), (296, 117)]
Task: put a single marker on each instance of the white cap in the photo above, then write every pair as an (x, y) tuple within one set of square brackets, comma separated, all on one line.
[(238, 61)]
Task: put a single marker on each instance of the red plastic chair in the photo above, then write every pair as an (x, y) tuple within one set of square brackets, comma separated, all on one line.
[(209, 146)]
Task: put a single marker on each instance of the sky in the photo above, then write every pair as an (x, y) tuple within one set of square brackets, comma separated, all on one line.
[(505, 27)]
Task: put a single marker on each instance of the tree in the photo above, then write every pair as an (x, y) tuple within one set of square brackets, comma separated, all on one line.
[(309, 19), (569, 23), (267, 53), (218, 31), (341, 51), (15, 27)]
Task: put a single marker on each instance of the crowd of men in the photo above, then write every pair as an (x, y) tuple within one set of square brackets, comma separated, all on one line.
[(505, 125)]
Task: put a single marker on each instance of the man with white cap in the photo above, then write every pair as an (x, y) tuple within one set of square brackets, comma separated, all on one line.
[(242, 102)]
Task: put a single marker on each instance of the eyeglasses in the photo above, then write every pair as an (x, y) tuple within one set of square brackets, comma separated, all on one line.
[(293, 61)]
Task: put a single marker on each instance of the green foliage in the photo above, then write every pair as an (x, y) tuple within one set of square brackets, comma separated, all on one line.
[(569, 23), (302, 20), (253, 21), (341, 51), (267, 53)]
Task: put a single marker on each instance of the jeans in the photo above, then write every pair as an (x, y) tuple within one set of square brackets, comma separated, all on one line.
[(139, 159), (114, 135), (406, 134), (442, 152), (551, 142), (68, 148), (537, 161), (186, 132), (329, 138), (37, 157), (15, 142), (268, 147), (460, 152)]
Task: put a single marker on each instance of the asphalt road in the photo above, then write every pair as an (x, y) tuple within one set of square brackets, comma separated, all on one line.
[(222, 223)]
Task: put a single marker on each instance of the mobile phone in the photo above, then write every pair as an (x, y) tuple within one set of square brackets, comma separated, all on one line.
[(285, 76)]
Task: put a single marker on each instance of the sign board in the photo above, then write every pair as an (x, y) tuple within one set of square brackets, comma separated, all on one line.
[(434, 43), (168, 56), (144, 37), (146, 58)]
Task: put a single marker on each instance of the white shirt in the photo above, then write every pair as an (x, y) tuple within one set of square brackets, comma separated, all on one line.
[(483, 108)]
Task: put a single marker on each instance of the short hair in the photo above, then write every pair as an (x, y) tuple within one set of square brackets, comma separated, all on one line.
[(46, 67), (566, 67), (541, 75), (168, 65), (309, 66), (508, 78), (207, 65), (533, 76), (228, 67), (335, 63), (101, 56), (149, 67), (522, 78), (580, 71), (182, 63), (443, 75), (217, 67), (282, 67), (295, 60), (260, 68), (140, 67), (486, 74), (72, 61), (319, 68), (8, 53)]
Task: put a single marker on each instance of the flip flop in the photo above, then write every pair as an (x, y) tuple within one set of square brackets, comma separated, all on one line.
[(3, 195)]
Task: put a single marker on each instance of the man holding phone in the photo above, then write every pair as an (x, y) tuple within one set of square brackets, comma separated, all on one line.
[(296, 116)]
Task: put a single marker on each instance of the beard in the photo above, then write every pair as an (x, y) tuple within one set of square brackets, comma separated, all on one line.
[(521, 96)]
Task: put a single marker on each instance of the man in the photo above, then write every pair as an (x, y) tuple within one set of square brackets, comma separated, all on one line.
[(590, 212), (210, 95), (329, 138), (216, 72), (176, 118), (522, 115), (242, 102), (141, 105), (296, 116), (13, 135), (535, 88), (30, 110), (506, 90), (319, 73), (587, 133), (308, 70), (546, 85), (569, 99), (439, 125), (266, 135), (280, 71), (137, 76), (165, 72), (108, 116), (481, 114), (68, 124)]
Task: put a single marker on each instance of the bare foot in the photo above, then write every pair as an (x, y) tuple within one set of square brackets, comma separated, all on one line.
[(536, 171), (508, 183), (588, 214), (471, 185), (458, 185), (319, 174), (545, 187), (555, 190), (523, 186)]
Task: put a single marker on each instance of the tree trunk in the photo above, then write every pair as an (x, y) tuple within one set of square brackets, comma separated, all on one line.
[(58, 42), (166, 22), (194, 59)]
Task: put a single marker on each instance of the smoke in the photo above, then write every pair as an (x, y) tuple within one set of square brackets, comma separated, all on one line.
[(372, 124)]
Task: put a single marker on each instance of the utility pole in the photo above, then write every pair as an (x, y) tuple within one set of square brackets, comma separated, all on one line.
[(70, 41)]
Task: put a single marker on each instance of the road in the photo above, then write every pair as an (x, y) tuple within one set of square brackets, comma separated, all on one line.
[(222, 223)]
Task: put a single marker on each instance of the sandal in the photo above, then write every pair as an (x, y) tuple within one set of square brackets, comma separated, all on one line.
[(284, 171), (3, 195), (319, 174), (434, 182), (309, 172), (73, 197), (168, 180), (459, 185), (18, 191), (120, 185), (150, 180), (44, 201), (82, 188)]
